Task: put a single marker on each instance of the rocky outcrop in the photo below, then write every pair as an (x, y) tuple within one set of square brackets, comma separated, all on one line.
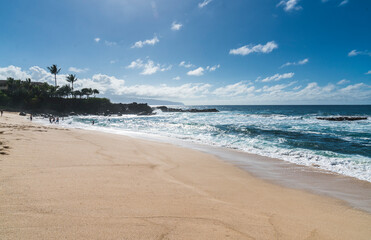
[(193, 110), (339, 119), (71, 107)]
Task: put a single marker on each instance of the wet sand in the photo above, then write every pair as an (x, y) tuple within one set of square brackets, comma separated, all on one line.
[(72, 184)]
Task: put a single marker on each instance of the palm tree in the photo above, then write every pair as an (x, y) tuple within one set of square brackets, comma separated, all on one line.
[(95, 91), (28, 83), (64, 91), (71, 78), (53, 69), (77, 93), (85, 91)]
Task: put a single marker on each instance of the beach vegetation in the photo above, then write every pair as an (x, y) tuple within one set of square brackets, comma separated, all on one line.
[(41, 97), (53, 69), (37, 95), (95, 91), (71, 78)]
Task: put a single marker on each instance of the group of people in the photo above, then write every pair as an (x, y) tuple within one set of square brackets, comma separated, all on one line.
[(54, 120)]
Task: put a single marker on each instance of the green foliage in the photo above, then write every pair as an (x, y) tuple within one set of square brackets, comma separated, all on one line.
[(53, 69), (33, 95), (4, 99), (39, 96), (71, 78), (95, 91), (87, 92), (64, 91)]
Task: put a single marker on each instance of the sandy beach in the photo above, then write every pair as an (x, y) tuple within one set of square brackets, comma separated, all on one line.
[(60, 183)]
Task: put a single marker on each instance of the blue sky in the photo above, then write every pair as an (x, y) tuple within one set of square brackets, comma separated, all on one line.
[(195, 51)]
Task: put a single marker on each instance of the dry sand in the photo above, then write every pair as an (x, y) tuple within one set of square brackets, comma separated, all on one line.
[(73, 184)]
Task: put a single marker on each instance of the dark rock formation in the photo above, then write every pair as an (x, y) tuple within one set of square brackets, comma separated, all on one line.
[(193, 110), (71, 107), (339, 119)]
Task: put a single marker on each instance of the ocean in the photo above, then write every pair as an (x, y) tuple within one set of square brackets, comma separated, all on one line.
[(290, 133)]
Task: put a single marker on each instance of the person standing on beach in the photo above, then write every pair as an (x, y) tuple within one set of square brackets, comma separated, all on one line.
[(1, 112), (30, 117)]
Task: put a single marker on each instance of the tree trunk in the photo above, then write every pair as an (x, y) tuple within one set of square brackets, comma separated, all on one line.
[(55, 79)]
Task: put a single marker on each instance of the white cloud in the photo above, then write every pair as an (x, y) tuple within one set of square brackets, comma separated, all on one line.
[(343, 2), (301, 62), (213, 68), (96, 39), (176, 78), (197, 72), (234, 89), (201, 93), (42, 75), (204, 3), (112, 61), (116, 86), (247, 49), (166, 68), (276, 88), (351, 88), (136, 64), (304, 61), (102, 82), (14, 72), (36, 73), (185, 91), (110, 44), (289, 93), (278, 77), (78, 70), (369, 72), (186, 65), (149, 67), (343, 81), (176, 26), (141, 44), (355, 53), (289, 5)]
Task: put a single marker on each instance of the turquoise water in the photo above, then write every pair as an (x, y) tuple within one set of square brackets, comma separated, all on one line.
[(290, 133)]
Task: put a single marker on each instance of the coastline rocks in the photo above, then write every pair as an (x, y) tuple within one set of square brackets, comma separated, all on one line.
[(74, 107), (22, 114), (145, 113), (193, 110), (339, 119)]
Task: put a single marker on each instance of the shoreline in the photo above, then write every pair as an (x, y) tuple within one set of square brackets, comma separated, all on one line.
[(353, 191), (352, 164), (70, 183)]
